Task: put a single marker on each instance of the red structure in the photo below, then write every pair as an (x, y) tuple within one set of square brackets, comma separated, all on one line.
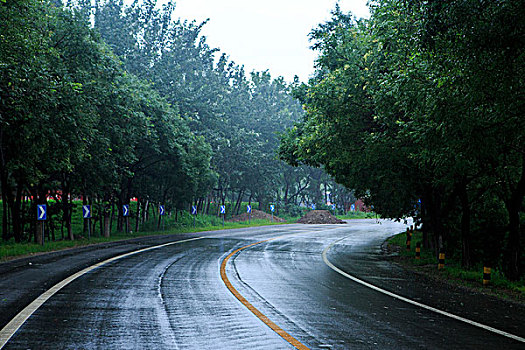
[(360, 206)]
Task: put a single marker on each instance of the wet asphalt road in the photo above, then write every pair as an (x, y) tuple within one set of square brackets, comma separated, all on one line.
[(174, 298)]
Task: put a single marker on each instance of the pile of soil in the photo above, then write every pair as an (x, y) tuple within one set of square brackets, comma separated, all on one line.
[(319, 217), (256, 214)]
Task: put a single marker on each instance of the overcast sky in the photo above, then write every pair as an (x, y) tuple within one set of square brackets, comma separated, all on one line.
[(269, 34)]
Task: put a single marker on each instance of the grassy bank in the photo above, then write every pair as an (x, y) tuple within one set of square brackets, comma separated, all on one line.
[(357, 215), (453, 272), (11, 250)]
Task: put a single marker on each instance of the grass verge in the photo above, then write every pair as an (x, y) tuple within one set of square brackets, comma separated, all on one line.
[(357, 215), (9, 251), (453, 273)]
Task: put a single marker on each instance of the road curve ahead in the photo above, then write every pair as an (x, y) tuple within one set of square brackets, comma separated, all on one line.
[(265, 288)]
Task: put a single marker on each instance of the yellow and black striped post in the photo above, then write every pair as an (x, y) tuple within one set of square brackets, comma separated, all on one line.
[(486, 276), (441, 263), (418, 251)]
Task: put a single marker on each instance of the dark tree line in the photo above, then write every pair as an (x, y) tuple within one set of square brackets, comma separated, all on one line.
[(420, 109), (74, 122), (108, 102)]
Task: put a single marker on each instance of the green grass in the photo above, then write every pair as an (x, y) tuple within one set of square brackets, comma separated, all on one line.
[(10, 250), (356, 215), (453, 271)]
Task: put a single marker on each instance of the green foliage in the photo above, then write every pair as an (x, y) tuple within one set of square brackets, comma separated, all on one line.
[(453, 271), (9, 250), (419, 110), (73, 121)]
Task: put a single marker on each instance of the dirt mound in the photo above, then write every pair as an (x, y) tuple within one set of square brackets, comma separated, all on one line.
[(319, 217), (256, 214)]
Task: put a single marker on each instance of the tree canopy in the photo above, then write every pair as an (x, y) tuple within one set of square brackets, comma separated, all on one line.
[(110, 102), (420, 110)]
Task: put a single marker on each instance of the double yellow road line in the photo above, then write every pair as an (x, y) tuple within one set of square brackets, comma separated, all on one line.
[(296, 343)]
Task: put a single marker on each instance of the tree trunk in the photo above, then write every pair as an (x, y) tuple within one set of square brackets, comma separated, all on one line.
[(466, 260), (238, 203), (146, 212), (512, 256), (286, 190), (208, 200), (5, 212), (66, 198), (16, 215), (137, 220), (513, 205), (107, 222), (120, 218)]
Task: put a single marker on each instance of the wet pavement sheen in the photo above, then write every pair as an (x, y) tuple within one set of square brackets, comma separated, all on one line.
[(173, 298)]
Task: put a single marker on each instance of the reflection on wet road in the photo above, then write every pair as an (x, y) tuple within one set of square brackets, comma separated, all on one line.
[(174, 298)]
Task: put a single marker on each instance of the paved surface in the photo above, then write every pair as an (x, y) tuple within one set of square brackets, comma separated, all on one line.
[(174, 298)]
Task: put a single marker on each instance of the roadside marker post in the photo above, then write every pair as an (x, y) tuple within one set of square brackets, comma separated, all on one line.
[(223, 212), (272, 209), (125, 214), (441, 263), (409, 237), (194, 213), (86, 213), (486, 276), (161, 214), (249, 211), (418, 251), (41, 216)]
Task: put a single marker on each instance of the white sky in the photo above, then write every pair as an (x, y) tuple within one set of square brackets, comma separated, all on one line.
[(265, 34)]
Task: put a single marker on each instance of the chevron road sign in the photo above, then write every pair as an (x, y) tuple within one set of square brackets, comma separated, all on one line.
[(272, 208), (223, 209), (125, 210), (41, 212), (86, 211), (161, 210), (249, 209), (193, 210)]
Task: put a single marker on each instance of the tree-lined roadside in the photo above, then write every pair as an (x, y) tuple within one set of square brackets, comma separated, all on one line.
[(106, 102), (452, 273), (203, 223), (420, 110)]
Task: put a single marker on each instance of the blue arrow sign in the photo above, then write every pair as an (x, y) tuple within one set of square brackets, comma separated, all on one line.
[(193, 210), (313, 206), (41, 212), (125, 210), (223, 209), (333, 206), (272, 208), (249, 209), (161, 210), (86, 211), (352, 207)]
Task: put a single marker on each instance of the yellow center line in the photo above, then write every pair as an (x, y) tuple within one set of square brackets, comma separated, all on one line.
[(297, 344)]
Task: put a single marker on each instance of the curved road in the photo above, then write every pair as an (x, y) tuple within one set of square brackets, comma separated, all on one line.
[(173, 297)]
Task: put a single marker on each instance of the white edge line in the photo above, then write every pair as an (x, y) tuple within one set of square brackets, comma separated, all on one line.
[(10, 329), (430, 308)]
